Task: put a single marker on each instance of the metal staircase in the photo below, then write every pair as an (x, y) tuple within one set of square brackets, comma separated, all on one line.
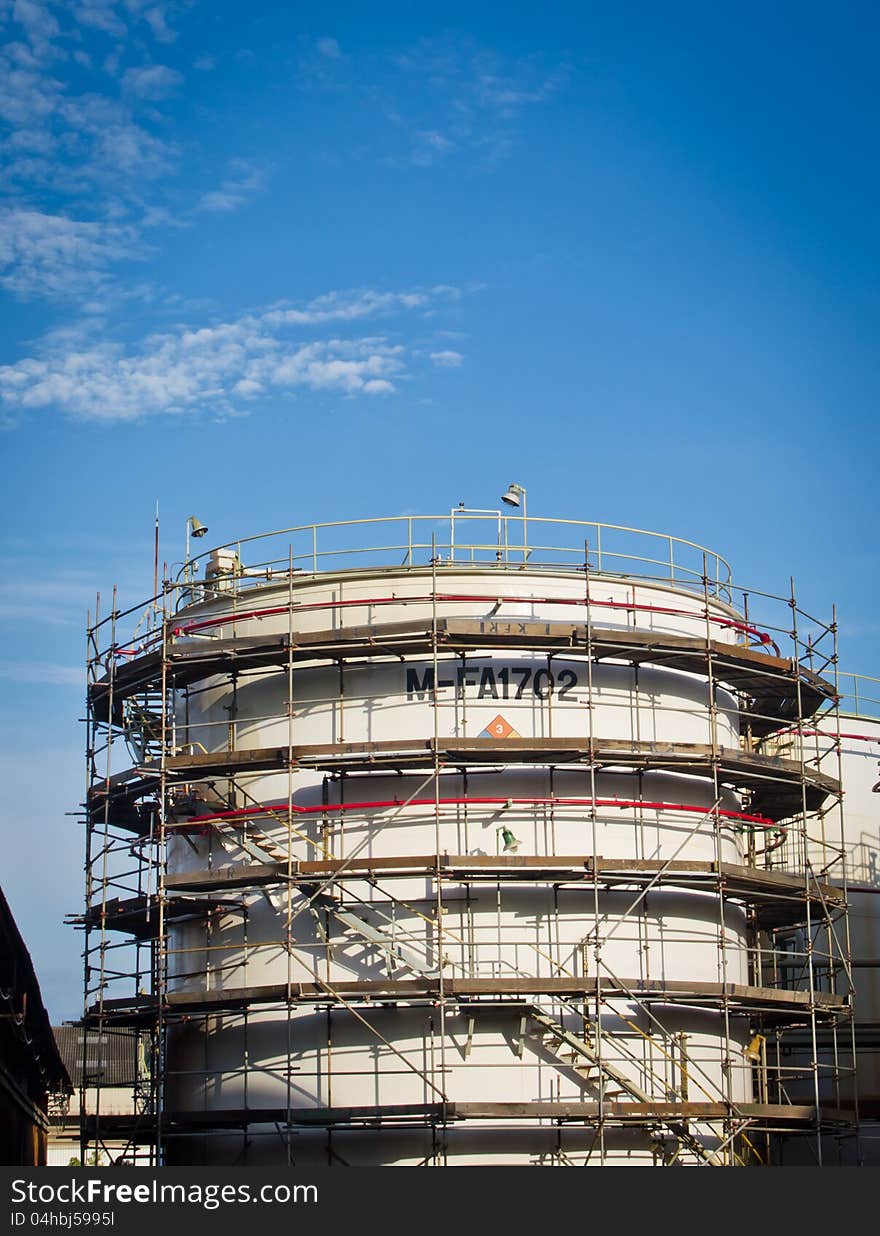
[(386, 941), (256, 843), (146, 723), (554, 1036)]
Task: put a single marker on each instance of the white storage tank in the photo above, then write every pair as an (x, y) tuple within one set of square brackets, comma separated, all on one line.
[(489, 837)]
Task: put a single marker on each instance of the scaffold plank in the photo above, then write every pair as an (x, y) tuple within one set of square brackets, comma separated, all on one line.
[(778, 787), (779, 897), (139, 916), (777, 686), (775, 1115), (736, 998)]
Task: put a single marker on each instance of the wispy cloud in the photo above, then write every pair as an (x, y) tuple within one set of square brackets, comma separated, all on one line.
[(53, 256), (211, 369), (153, 81), (351, 306), (77, 163), (45, 673), (100, 15), (859, 630), (57, 598), (221, 368), (245, 180), (113, 16), (39, 26), (330, 48), (447, 359), (156, 17), (445, 97), (468, 99)]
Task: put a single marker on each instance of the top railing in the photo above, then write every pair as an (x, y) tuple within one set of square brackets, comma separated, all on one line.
[(475, 538), (859, 695), (482, 540)]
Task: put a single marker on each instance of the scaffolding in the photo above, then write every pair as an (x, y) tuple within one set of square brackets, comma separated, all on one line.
[(151, 784), (853, 749), (860, 709)]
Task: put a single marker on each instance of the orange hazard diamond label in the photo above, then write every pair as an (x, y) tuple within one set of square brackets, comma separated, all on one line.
[(499, 728)]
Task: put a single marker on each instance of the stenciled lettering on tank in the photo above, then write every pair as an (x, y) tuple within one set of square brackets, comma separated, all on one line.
[(505, 682)]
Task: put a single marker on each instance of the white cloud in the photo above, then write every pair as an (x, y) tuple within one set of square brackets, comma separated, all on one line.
[(36, 18), (99, 15), (83, 146), (218, 368), (348, 306), (447, 359), (429, 146), (45, 673), (27, 98), (53, 256), (112, 16), (245, 181), (131, 150), (35, 140), (39, 25), (436, 140), (61, 598), (508, 95), (329, 48), (447, 95), (196, 371), (157, 20), (80, 164), (152, 82), (221, 201)]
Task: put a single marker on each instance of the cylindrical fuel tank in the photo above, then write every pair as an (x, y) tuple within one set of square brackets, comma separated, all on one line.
[(426, 843)]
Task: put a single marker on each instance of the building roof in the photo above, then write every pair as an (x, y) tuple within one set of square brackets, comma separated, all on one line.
[(27, 1046), (111, 1057)]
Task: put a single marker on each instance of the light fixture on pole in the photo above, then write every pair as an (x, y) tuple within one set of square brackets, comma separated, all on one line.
[(511, 843), (198, 530), (516, 496), (755, 1049)]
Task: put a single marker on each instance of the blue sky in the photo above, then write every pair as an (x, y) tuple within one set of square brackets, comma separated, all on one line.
[(276, 264)]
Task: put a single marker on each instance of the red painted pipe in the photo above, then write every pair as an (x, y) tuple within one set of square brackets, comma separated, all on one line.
[(381, 804), (762, 636), (828, 734)]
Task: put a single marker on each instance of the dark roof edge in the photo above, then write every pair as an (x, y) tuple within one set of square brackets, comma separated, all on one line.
[(36, 1027)]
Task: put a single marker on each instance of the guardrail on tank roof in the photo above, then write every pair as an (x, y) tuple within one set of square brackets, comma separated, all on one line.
[(482, 541), (859, 695), (478, 539)]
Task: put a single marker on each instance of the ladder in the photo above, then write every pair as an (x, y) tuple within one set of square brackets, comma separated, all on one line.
[(553, 1035)]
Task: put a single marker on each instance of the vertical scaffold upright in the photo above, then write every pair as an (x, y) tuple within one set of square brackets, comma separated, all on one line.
[(453, 839)]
